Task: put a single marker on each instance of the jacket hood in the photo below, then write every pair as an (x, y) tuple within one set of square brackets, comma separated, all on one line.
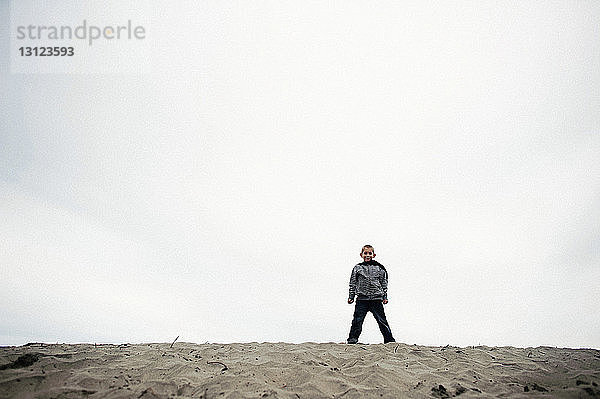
[(371, 262), (375, 263)]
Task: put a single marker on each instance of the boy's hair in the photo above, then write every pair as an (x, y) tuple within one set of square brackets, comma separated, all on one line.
[(367, 246)]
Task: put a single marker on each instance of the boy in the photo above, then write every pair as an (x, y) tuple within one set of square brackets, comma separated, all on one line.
[(369, 281)]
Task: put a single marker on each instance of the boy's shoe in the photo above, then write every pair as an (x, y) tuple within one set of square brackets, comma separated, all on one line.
[(352, 341)]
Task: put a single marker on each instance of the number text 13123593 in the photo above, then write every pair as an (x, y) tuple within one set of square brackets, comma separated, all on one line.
[(46, 51)]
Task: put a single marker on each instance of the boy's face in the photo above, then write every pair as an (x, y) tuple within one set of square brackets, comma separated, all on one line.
[(367, 254)]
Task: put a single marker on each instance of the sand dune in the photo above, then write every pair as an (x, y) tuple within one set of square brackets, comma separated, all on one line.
[(282, 370)]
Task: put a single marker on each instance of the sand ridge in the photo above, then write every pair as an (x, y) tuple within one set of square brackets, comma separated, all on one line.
[(284, 370)]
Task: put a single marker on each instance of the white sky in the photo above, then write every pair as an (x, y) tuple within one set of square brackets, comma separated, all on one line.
[(223, 195)]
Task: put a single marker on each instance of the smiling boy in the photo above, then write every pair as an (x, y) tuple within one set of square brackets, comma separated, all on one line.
[(369, 282)]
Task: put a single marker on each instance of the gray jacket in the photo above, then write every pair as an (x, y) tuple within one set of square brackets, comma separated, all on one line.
[(369, 280)]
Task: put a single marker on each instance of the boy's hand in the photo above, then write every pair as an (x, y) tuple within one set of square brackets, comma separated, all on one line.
[(385, 301), (350, 300)]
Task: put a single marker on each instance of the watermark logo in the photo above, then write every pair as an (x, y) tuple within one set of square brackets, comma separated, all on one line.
[(84, 31), (71, 36)]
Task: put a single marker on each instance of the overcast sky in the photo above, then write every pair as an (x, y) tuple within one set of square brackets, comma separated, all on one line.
[(223, 192)]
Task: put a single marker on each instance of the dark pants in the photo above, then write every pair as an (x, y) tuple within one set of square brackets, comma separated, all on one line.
[(360, 311)]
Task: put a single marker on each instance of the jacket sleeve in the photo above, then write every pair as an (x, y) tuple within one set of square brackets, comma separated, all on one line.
[(383, 279), (353, 278)]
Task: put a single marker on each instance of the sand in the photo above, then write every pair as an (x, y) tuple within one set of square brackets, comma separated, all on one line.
[(283, 370)]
